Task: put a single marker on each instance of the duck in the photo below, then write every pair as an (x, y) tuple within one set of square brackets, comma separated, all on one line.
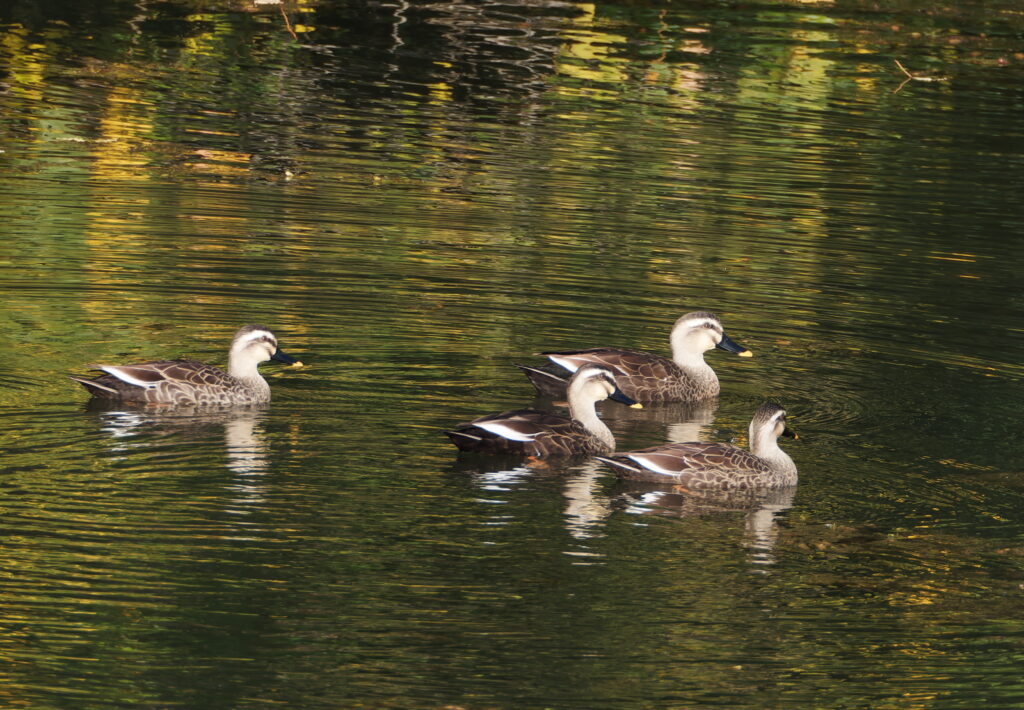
[(699, 466), (647, 377), (542, 434), (190, 382)]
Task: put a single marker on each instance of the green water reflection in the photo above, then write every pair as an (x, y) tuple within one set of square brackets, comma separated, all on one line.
[(415, 196)]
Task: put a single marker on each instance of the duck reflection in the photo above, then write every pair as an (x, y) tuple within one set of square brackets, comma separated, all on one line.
[(246, 448), (590, 500), (502, 479), (586, 507), (679, 421), (244, 442), (761, 508)]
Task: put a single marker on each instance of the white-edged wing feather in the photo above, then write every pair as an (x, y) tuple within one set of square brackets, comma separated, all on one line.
[(502, 429), (133, 375)]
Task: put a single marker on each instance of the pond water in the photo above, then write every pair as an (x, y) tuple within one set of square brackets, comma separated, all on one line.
[(416, 195)]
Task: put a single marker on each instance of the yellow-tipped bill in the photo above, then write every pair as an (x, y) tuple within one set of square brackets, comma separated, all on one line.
[(731, 346)]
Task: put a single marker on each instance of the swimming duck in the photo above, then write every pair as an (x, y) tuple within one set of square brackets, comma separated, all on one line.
[(703, 466), (189, 382), (538, 433), (646, 377)]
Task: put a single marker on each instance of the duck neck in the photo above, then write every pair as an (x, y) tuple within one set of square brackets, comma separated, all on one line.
[(246, 370), (766, 446), (690, 360), (585, 413)]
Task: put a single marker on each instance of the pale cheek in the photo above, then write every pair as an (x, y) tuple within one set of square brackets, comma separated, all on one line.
[(702, 339)]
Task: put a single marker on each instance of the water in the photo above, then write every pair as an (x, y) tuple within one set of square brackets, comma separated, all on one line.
[(413, 197)]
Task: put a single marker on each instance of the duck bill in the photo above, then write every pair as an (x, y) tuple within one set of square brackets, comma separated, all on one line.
[(617, 396), (286, 359), (789, 433), (731, 346)]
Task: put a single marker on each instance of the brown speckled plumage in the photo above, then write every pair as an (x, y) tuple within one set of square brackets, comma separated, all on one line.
[(190, 382), (708, 466), (537, 433), (177, 382), (647, 377), (553, 435)]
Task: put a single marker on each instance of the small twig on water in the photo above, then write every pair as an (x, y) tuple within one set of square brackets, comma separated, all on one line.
[(288, 24), (903, 69), (915, 77)]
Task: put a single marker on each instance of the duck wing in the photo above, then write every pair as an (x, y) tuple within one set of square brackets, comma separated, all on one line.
[(643, 376), (193, 372), (132, 382), (621, 362), (547, 382), (526, 431), (694, 465)]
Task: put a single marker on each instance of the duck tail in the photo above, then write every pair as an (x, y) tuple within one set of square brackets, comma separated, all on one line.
[(619, 463), (93, 386), (546, 383)]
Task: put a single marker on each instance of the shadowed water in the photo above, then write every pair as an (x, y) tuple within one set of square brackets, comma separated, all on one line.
[(416, 196)]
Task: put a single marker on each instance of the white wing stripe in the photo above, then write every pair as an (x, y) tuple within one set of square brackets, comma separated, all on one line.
[(505, 431), (650, 466), (564, 362), (125, 377)]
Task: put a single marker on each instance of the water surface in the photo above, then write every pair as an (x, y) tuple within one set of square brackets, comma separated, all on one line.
[(416, 196)]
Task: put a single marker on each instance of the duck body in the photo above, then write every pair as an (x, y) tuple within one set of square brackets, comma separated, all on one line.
[(190, 382), (179, 382), (644, 376), (713, 466), (537, 433), (528, 431)]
